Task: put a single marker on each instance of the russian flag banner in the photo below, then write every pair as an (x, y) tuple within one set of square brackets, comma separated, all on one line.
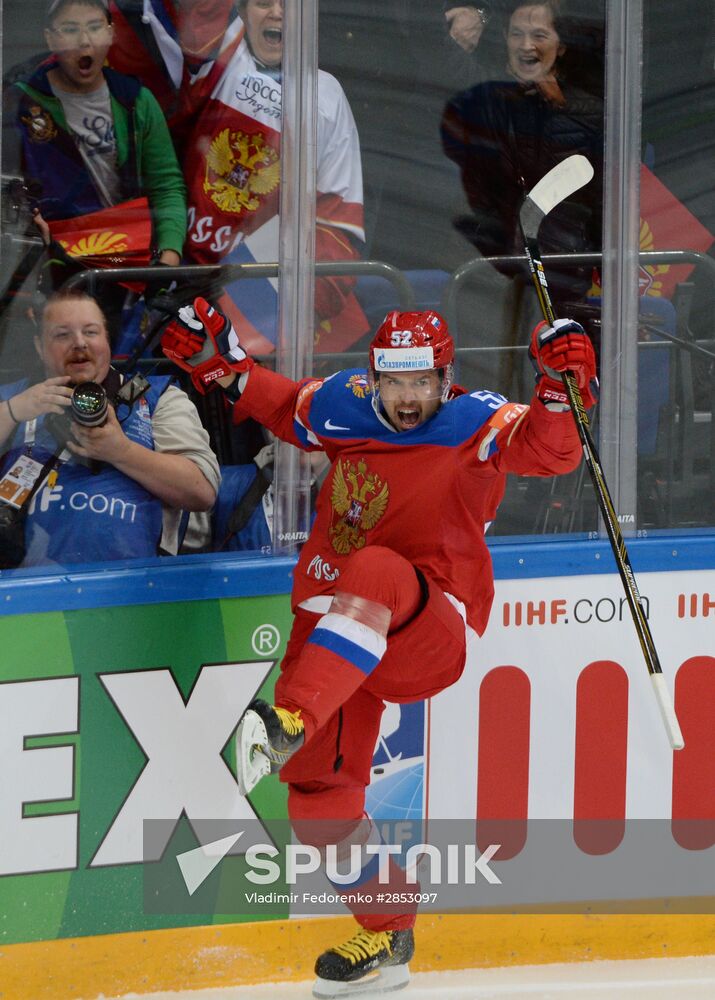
[(666, 224)]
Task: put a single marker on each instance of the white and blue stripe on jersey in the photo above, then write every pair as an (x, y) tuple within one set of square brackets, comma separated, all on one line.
[(359, 644)]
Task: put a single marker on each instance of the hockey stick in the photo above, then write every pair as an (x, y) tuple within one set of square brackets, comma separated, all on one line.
[(567, 177)]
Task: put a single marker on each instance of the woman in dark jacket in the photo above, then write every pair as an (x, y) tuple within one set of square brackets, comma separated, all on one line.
[(505, 135)]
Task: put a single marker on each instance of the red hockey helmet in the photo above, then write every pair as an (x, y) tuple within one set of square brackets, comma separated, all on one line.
[(411, 341)]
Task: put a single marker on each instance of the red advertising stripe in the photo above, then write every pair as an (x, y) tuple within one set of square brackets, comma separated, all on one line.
[(503, 763), (694, 765), (600, 757)]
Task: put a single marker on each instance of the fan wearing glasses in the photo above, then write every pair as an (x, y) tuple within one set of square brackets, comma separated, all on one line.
[(91, 137)]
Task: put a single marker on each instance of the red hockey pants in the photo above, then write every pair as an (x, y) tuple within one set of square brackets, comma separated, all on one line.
[(425, 654)]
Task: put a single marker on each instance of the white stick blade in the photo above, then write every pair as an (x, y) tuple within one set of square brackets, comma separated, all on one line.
[(667, 710), (561, 182)]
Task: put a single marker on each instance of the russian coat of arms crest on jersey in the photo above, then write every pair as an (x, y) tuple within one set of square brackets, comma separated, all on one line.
[(359, 385), (239, 169), (359, 499)]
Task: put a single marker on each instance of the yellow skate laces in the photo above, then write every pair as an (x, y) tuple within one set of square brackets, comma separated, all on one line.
[(363, 945), (291, 721)]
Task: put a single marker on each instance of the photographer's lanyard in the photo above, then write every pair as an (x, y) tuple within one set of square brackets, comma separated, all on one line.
[(26, 475)]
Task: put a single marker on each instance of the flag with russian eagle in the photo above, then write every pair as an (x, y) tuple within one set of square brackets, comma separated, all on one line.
[(232, 170), (118, 236), (666, 224)]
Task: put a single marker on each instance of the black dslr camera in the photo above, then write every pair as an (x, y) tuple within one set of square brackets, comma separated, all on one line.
[(90, 401), (88, 407)]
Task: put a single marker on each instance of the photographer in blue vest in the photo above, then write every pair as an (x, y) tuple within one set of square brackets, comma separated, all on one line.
[(98, 466)]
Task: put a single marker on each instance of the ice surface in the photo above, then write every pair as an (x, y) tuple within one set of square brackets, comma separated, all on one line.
[(657, 978)]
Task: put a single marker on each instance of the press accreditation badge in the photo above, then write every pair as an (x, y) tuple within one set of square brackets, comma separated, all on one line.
[(17, 482)]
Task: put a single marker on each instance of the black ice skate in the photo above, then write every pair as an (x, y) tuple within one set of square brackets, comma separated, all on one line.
[(265, 739), (369, 963)]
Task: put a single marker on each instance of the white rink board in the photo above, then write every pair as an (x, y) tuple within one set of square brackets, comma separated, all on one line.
[(552, 653)]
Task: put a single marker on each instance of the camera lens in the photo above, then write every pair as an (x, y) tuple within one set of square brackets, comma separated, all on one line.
[(89, 404)]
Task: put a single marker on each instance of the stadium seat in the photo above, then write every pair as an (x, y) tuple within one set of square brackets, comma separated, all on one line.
[(377, 296), (655, 384), (252, 533)]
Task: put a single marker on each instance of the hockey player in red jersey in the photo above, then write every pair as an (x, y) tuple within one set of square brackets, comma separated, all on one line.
[(395, 565)]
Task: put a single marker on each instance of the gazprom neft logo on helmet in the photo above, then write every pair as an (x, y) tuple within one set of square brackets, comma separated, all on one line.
[(404, 359)]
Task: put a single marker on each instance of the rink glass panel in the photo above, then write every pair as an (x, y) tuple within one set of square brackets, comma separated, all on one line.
[(400, 72)]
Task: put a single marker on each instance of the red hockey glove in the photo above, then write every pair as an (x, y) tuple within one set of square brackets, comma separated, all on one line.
[(563, 347), (203, 342)]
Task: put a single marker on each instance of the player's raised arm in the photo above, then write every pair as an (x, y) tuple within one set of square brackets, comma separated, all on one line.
[(203, 341), (563, 347), (542, 440)]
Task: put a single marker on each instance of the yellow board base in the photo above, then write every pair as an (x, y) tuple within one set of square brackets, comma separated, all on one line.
[(193, 958)]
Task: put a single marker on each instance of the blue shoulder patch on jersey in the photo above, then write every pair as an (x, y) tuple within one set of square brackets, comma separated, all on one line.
[(342, 408)]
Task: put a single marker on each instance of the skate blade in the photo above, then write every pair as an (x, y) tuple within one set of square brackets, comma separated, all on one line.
[(388, 980), (251, 764)]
